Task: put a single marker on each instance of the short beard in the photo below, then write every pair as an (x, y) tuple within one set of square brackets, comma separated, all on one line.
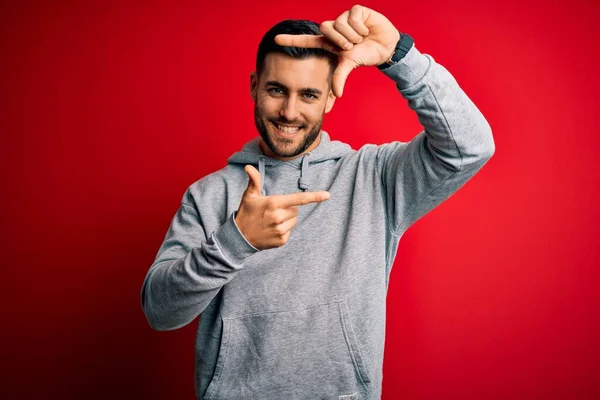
[(264, 134)]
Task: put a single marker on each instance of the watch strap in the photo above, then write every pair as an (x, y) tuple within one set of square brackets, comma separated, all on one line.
[(402, 47)]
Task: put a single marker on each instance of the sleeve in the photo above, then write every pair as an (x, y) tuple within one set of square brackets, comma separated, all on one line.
[(190, 269), (456, 142)]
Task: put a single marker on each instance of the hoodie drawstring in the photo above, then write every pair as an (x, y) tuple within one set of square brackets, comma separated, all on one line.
[(261, 170), (303, 181)]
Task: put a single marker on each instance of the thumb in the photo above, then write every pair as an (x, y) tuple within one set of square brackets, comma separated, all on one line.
[(253, 181), (340, 75)]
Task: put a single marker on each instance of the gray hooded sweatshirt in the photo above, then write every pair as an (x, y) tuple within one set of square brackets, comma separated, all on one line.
[(306, 320)]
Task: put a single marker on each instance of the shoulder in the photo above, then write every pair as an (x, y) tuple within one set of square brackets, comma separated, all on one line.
[(377, 152), (373, 152), (214, 186)]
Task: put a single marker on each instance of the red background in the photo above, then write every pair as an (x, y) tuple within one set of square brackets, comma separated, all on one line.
[(110, 109)]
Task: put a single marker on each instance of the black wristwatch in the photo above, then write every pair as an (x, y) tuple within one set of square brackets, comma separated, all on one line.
[(402, 47)]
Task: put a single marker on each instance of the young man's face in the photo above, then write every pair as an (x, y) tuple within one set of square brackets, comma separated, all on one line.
[(291, 97)]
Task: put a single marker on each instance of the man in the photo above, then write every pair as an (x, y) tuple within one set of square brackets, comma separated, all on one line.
[(286, 252)]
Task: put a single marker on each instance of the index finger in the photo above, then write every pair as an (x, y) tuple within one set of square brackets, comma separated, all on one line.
[(306, 41), (300, 199)]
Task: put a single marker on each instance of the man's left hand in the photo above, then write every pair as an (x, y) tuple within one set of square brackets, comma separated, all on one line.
[(360, 36)]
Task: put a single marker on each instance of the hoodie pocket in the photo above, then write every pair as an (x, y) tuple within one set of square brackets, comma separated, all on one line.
[(300, 354)]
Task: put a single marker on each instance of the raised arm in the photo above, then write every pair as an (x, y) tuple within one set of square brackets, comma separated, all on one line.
[(456, 141)]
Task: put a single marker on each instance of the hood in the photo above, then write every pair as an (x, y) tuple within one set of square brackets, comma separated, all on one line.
[(327, 149)]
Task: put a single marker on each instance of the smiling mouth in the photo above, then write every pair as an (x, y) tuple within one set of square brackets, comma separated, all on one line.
[(287, 130)]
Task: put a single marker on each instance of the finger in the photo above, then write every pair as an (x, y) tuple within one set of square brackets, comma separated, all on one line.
[(285, 227), (356, 19), (300, 199), (307, 41), (279, 215), (253, 181), (348, 32), (329, 31), (340, 75), (284, 239)]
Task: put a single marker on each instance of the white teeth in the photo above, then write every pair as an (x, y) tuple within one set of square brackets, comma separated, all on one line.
[(288, 129)]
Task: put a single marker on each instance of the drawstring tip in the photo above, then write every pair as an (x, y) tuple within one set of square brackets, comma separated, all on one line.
[(302, 184)]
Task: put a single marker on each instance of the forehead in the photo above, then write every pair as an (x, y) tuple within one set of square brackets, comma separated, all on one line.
[(308, 72)]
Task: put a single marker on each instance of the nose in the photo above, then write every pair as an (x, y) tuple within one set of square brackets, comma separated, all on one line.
[(289, 109)]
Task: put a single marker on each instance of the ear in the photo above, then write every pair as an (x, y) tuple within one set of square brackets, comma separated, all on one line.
[(253, 85), (329, 102)]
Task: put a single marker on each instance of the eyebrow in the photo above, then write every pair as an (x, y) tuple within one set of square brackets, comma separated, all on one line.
[(303, 90)]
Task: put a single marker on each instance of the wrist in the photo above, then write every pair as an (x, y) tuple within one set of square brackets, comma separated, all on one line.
[(391, 48), (232, 242), (405, 42)]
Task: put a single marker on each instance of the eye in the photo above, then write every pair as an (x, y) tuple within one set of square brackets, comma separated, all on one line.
[(275, 90), (309, 96)]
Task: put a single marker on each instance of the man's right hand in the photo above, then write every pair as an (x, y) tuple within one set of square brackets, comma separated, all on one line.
[(266, 221)]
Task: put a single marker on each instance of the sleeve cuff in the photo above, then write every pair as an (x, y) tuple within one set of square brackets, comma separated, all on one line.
[(232, 243), (410, 69)]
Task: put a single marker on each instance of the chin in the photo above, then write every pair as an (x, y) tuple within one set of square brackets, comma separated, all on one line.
[(286, 152)]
